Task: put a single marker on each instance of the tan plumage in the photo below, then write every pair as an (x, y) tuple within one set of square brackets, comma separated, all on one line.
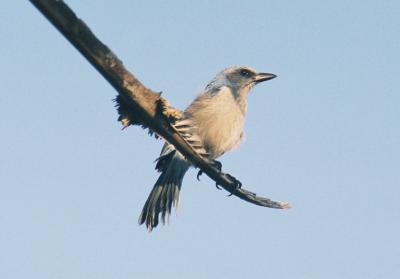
[(212, 124)]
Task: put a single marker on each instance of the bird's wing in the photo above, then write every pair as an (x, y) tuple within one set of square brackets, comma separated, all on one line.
[(187, 129)]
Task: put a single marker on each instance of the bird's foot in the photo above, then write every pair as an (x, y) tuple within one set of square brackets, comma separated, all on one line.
[(216, 164), (238, 184)]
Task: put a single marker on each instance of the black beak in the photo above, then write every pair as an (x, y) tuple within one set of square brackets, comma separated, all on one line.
[(260, 77)]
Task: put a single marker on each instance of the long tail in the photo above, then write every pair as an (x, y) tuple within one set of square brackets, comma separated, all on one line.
[(165, 193)]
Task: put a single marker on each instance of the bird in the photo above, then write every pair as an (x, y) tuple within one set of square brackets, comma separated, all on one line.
[(214, 122)]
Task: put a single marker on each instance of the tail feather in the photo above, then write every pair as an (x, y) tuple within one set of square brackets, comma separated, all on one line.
[(165, 193)]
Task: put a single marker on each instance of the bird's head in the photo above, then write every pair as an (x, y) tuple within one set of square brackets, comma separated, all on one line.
[(240, 79)]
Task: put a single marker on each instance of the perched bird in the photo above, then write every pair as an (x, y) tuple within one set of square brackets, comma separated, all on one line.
[(214, 120)]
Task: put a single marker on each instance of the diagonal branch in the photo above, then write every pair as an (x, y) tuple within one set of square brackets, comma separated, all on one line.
[(142, 106)]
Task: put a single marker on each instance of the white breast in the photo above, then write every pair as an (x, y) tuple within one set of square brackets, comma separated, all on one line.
[(219, 120)]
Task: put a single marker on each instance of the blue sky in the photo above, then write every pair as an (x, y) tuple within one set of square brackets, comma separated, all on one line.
[(324, 136)]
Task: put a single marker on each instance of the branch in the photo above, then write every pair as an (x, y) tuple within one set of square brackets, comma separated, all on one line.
[(142, 106)]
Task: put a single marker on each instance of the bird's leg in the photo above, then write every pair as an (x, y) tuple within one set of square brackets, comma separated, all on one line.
[(215, 163)]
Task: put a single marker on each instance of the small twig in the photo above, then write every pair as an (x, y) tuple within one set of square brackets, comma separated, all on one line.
[(142, 106)]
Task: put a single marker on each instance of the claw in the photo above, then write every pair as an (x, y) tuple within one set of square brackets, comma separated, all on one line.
[(199, 174), (238, 184), (217, 164)]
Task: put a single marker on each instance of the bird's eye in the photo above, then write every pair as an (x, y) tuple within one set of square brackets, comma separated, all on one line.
[(245, 73)]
